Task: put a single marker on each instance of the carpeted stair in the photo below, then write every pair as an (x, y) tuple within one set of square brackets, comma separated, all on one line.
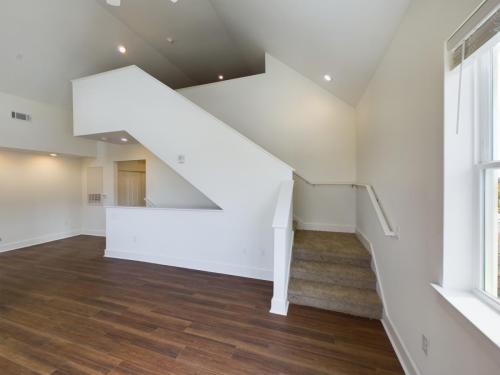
[(332, 271)]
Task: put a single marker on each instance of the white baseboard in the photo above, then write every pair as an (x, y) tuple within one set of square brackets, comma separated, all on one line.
[(364, 240), (200, 265), (38, 240), (94, 232), (368, 246), (324, 227), (409, 366)]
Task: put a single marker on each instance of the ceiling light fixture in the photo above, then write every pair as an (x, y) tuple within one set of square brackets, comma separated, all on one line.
[(327, 77), (174, 1), (221, 77), (53, 155), (104, 138), (122, 49), (124, 139), (115, 3), (170, 40)]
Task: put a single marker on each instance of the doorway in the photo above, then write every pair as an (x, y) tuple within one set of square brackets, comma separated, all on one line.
[(131, 183)]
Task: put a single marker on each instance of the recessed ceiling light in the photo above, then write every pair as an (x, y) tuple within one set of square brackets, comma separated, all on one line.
[(104, 138), (174, 1), (221, 77), (122, 49), (170, 40), (53, 155), (327, 77), (124, 139), (115, 3)]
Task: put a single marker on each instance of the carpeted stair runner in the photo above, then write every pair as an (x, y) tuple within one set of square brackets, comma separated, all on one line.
[(332, 271)]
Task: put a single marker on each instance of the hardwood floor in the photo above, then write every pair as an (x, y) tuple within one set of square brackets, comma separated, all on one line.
[(64, 309)]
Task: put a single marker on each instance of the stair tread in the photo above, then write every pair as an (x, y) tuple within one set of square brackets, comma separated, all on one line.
[(333, 270), (328, 245), (330, 292)]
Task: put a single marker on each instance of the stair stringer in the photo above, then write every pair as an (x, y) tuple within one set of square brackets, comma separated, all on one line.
[(239, 176)]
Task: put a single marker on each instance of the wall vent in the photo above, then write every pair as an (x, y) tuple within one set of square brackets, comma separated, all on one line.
[(20, 116)]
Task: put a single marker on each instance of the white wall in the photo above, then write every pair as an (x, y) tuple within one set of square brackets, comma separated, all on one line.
[(40, 198), (164, 187), (49, 131), (221, 241), (235, 173), (300, 123), (400, 152)]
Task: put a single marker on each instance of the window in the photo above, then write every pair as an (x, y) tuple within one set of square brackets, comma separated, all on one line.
[(490, 176), (471, 162), (471, 225)]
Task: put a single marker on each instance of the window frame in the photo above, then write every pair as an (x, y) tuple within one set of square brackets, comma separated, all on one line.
[(487, 128)]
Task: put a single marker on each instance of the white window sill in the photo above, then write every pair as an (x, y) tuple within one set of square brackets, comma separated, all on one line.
[(483, 317)]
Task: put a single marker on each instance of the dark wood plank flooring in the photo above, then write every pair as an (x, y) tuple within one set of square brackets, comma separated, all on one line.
[(64, 309)]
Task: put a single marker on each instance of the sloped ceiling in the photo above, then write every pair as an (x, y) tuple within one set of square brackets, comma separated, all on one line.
[(202, 46), (343, 38), (47, 43)]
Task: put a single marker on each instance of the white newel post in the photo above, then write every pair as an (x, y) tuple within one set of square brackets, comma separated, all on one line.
[(283, 241)]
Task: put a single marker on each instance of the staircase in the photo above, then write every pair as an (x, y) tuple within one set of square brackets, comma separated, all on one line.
[(332, 271), (239, 176)]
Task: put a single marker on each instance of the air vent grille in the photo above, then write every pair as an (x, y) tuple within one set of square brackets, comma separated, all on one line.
[(20, 116)]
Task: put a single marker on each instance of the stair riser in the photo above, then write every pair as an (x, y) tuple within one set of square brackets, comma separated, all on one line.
[(370, 312), (310, 256), (333, 279)]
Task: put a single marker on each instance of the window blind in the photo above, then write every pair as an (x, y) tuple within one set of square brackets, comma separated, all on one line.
[(483, 25)]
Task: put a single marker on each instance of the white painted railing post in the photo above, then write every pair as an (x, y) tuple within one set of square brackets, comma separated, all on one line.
[(283, 242)]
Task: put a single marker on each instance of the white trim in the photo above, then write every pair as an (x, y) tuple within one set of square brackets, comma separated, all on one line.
[(324, 227), (200, 265), (38, 240), (481, 315), (94, 232), (409, 366), (158, 208), (279, 306), (489, 165), (368, 245), (487, 298)]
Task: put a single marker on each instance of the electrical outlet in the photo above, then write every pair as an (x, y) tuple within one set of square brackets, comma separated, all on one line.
[(425, 345)]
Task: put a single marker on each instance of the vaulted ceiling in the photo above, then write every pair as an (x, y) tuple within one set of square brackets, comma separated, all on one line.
[(47, 43)]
